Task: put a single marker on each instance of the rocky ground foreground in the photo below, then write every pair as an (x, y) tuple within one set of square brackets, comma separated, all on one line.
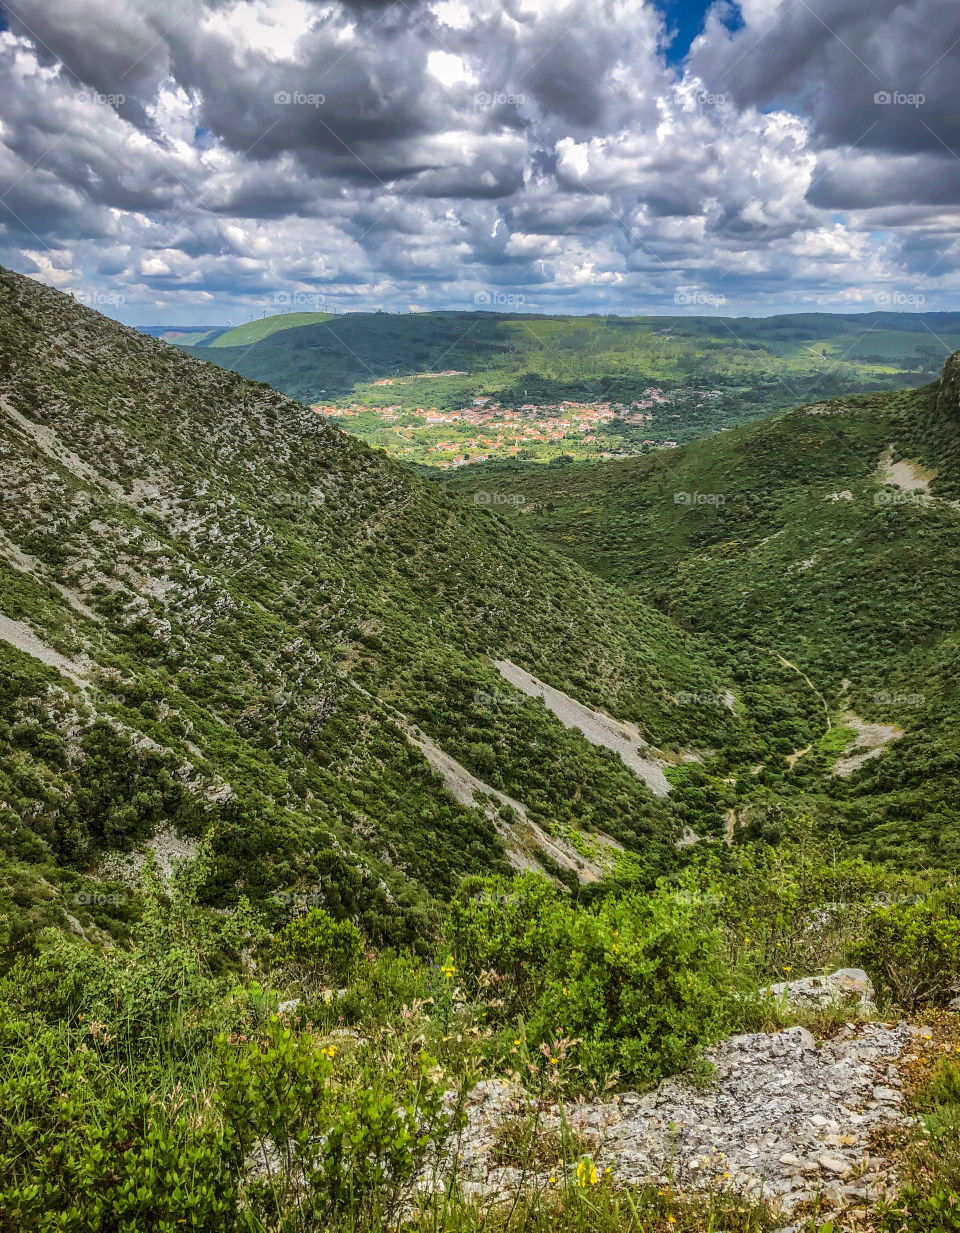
[(781, 1118)]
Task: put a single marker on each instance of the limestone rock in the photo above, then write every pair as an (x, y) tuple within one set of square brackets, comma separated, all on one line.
[(782, 1118), (845, 985)]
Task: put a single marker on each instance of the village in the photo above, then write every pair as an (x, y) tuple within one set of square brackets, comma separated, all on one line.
[(486, 427)]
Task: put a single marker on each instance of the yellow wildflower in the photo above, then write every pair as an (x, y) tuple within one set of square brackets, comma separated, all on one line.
[(587, 1172)]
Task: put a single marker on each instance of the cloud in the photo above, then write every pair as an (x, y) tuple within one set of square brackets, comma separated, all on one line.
[(227, 151)]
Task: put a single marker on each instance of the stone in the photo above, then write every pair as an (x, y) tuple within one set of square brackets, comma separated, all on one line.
[(844, 985), (762, 1125), (886, 1094)]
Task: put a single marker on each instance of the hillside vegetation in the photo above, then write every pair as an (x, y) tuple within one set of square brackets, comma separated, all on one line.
[(253, 331), (830, 535), (366, 862), (220, 614)]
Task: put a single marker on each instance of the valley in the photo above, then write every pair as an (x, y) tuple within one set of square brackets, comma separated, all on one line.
[(440, 785), (456, 388)]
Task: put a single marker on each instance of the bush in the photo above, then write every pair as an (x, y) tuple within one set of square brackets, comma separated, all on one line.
[(319, 950), (640, 982), (508, 929), (912, 950), (333, 1153), (637, 980), (82, 1148)]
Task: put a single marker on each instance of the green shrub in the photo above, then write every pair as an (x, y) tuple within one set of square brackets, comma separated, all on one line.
[(319, 950), (912, 950), (84, 1149), (333, 1153), (508, 929), (638, 981)]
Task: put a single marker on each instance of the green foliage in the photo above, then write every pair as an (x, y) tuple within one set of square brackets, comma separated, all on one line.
[(319, 950), (912, 950), (160, 997), (928, 1196), (637, 982), (82, 1149), (508, 928), (640, 981), (327, 1156)]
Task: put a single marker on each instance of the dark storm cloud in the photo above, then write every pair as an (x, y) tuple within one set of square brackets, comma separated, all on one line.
[(878, 77)]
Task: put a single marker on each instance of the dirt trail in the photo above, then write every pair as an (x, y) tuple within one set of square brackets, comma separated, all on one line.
[(27, 564), (46, 440), (599, 729)]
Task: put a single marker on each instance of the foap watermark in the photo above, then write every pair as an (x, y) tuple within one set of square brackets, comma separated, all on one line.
[(901, 498), (705, 98), (896, 98), (495, 898), (499, 299), (898, 699), (99, 899), (698, 498), (298, 98), (698, 299), (107, 697), (299, 299), (94, 96), (888, 899), (482, 699), (498, 98), (296, 500), (693, 699), (100, 299), (697, 898), (499, 498), (899, 299)]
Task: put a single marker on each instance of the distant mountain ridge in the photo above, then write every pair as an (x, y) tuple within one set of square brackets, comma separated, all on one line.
[(719, 372)]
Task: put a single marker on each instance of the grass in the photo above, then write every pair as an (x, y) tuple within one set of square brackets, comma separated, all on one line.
[(253, 331)]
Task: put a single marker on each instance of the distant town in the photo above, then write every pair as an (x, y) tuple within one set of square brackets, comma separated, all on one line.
[(486, 427)]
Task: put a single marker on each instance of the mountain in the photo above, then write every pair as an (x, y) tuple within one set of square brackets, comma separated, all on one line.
[(219, 615), (585, 386), (828, 535), (229, 631)]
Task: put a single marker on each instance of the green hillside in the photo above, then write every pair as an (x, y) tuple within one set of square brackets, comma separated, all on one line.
[(830, 535), (585, 386), (253, 331), (220, 615), (327, 793)]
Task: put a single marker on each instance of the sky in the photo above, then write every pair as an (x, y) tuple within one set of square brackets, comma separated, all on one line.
[(209, 161)]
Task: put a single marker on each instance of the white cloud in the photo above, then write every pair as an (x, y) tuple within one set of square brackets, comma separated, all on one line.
[(410, 155)]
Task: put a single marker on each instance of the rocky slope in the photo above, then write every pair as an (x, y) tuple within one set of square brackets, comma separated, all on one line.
[(782, 1119), (218, 615)]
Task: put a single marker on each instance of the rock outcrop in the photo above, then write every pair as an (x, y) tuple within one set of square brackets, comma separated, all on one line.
[(948, 398), (845, 987), (783, 1119)]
